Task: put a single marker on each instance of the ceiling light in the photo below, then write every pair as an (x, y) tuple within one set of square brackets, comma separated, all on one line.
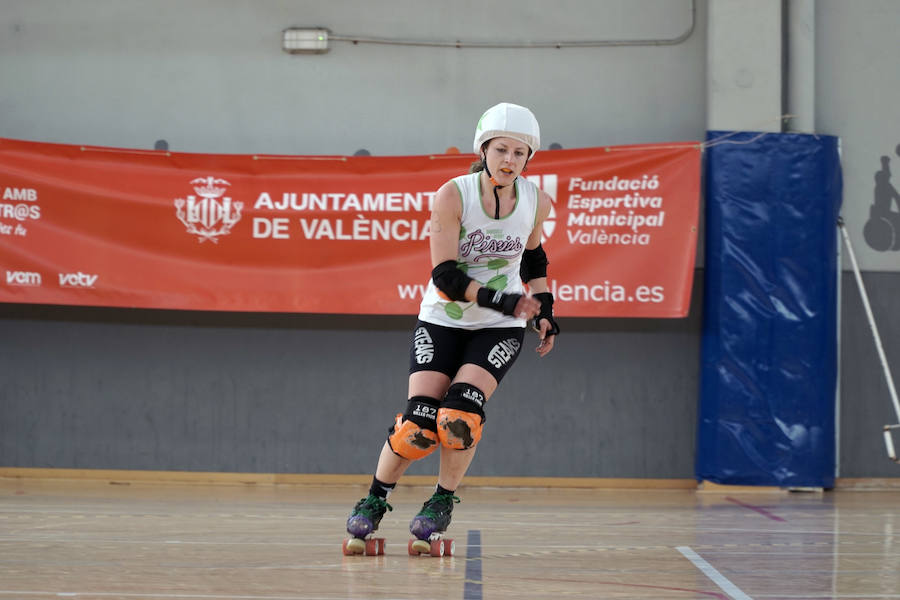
[(305, 40)]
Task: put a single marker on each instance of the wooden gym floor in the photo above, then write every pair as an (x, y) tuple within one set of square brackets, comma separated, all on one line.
[(101, 540)]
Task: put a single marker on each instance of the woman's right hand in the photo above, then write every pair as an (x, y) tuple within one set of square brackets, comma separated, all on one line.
[(527, 308)]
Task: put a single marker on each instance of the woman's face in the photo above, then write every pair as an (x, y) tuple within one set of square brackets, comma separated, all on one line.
[(506, 158)]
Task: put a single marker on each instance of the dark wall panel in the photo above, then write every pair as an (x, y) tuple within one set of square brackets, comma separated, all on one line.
[(865, 405), (95, 388), (118, 389)]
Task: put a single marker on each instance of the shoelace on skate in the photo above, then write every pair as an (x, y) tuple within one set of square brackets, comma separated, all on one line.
[(429, 512), (373, 504)]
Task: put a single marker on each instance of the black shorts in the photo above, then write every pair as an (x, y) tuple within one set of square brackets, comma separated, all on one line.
[(446, 349)]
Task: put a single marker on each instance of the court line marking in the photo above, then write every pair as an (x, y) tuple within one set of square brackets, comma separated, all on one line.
[(758, 509), (707, 569), (472, 588)]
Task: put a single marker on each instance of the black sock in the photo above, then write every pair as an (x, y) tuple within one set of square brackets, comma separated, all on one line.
[(441, 490), (381, 489)]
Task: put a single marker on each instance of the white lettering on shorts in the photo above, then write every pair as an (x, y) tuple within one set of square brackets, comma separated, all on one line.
[(502, 353), (423, 346)]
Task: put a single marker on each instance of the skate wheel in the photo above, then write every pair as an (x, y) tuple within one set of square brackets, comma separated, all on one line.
[(417, 547), (354, 546), (449, 547), (374, 547), (437, 548)]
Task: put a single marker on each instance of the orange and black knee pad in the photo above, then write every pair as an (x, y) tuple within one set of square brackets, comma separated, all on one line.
[(461, 417), (414, 434)]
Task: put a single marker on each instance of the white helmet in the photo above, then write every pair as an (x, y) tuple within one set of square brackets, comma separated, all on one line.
[(508, 120)]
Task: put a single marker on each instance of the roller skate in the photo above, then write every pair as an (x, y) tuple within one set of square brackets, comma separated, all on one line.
[(429, 526), (362, 523)]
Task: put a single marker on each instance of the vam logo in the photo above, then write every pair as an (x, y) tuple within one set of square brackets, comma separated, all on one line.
[(212, 214), (23, 278), (77, 280), (548, 183)]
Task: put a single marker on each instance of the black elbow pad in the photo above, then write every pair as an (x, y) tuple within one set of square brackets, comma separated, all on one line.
[(451, 280), (534, 264)]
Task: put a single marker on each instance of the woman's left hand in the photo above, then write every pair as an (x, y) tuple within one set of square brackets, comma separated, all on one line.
[(547, 341)]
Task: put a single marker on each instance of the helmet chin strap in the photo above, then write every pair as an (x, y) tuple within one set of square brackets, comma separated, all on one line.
[(497, 186)]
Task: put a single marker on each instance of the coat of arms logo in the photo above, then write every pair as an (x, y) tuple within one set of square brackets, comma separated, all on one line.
[(212, 214)]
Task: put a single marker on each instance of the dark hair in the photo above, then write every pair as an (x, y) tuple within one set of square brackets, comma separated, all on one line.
[(478, 165)]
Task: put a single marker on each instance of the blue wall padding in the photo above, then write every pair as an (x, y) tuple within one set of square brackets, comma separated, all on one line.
[(769, 348)]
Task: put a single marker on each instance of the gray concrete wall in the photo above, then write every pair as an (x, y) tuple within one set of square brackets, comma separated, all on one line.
[(856, 90), (301, 393), (94, 388), (210, 75)]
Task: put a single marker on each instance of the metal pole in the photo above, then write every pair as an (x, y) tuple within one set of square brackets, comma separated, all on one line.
[(888, 441)]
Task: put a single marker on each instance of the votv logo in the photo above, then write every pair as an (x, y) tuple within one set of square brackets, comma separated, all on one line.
[(26, 278), (78, 280)]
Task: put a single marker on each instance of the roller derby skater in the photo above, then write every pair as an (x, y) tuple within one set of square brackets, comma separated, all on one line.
[(485, 245)]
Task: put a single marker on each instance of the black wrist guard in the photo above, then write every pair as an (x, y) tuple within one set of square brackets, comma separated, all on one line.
[(451, 280), (505, 303), (546, 299)]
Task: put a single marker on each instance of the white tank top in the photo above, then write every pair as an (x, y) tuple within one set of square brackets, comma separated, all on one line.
[(490, 251)]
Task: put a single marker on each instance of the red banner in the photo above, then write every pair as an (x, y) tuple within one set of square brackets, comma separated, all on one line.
[(326, 234)]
